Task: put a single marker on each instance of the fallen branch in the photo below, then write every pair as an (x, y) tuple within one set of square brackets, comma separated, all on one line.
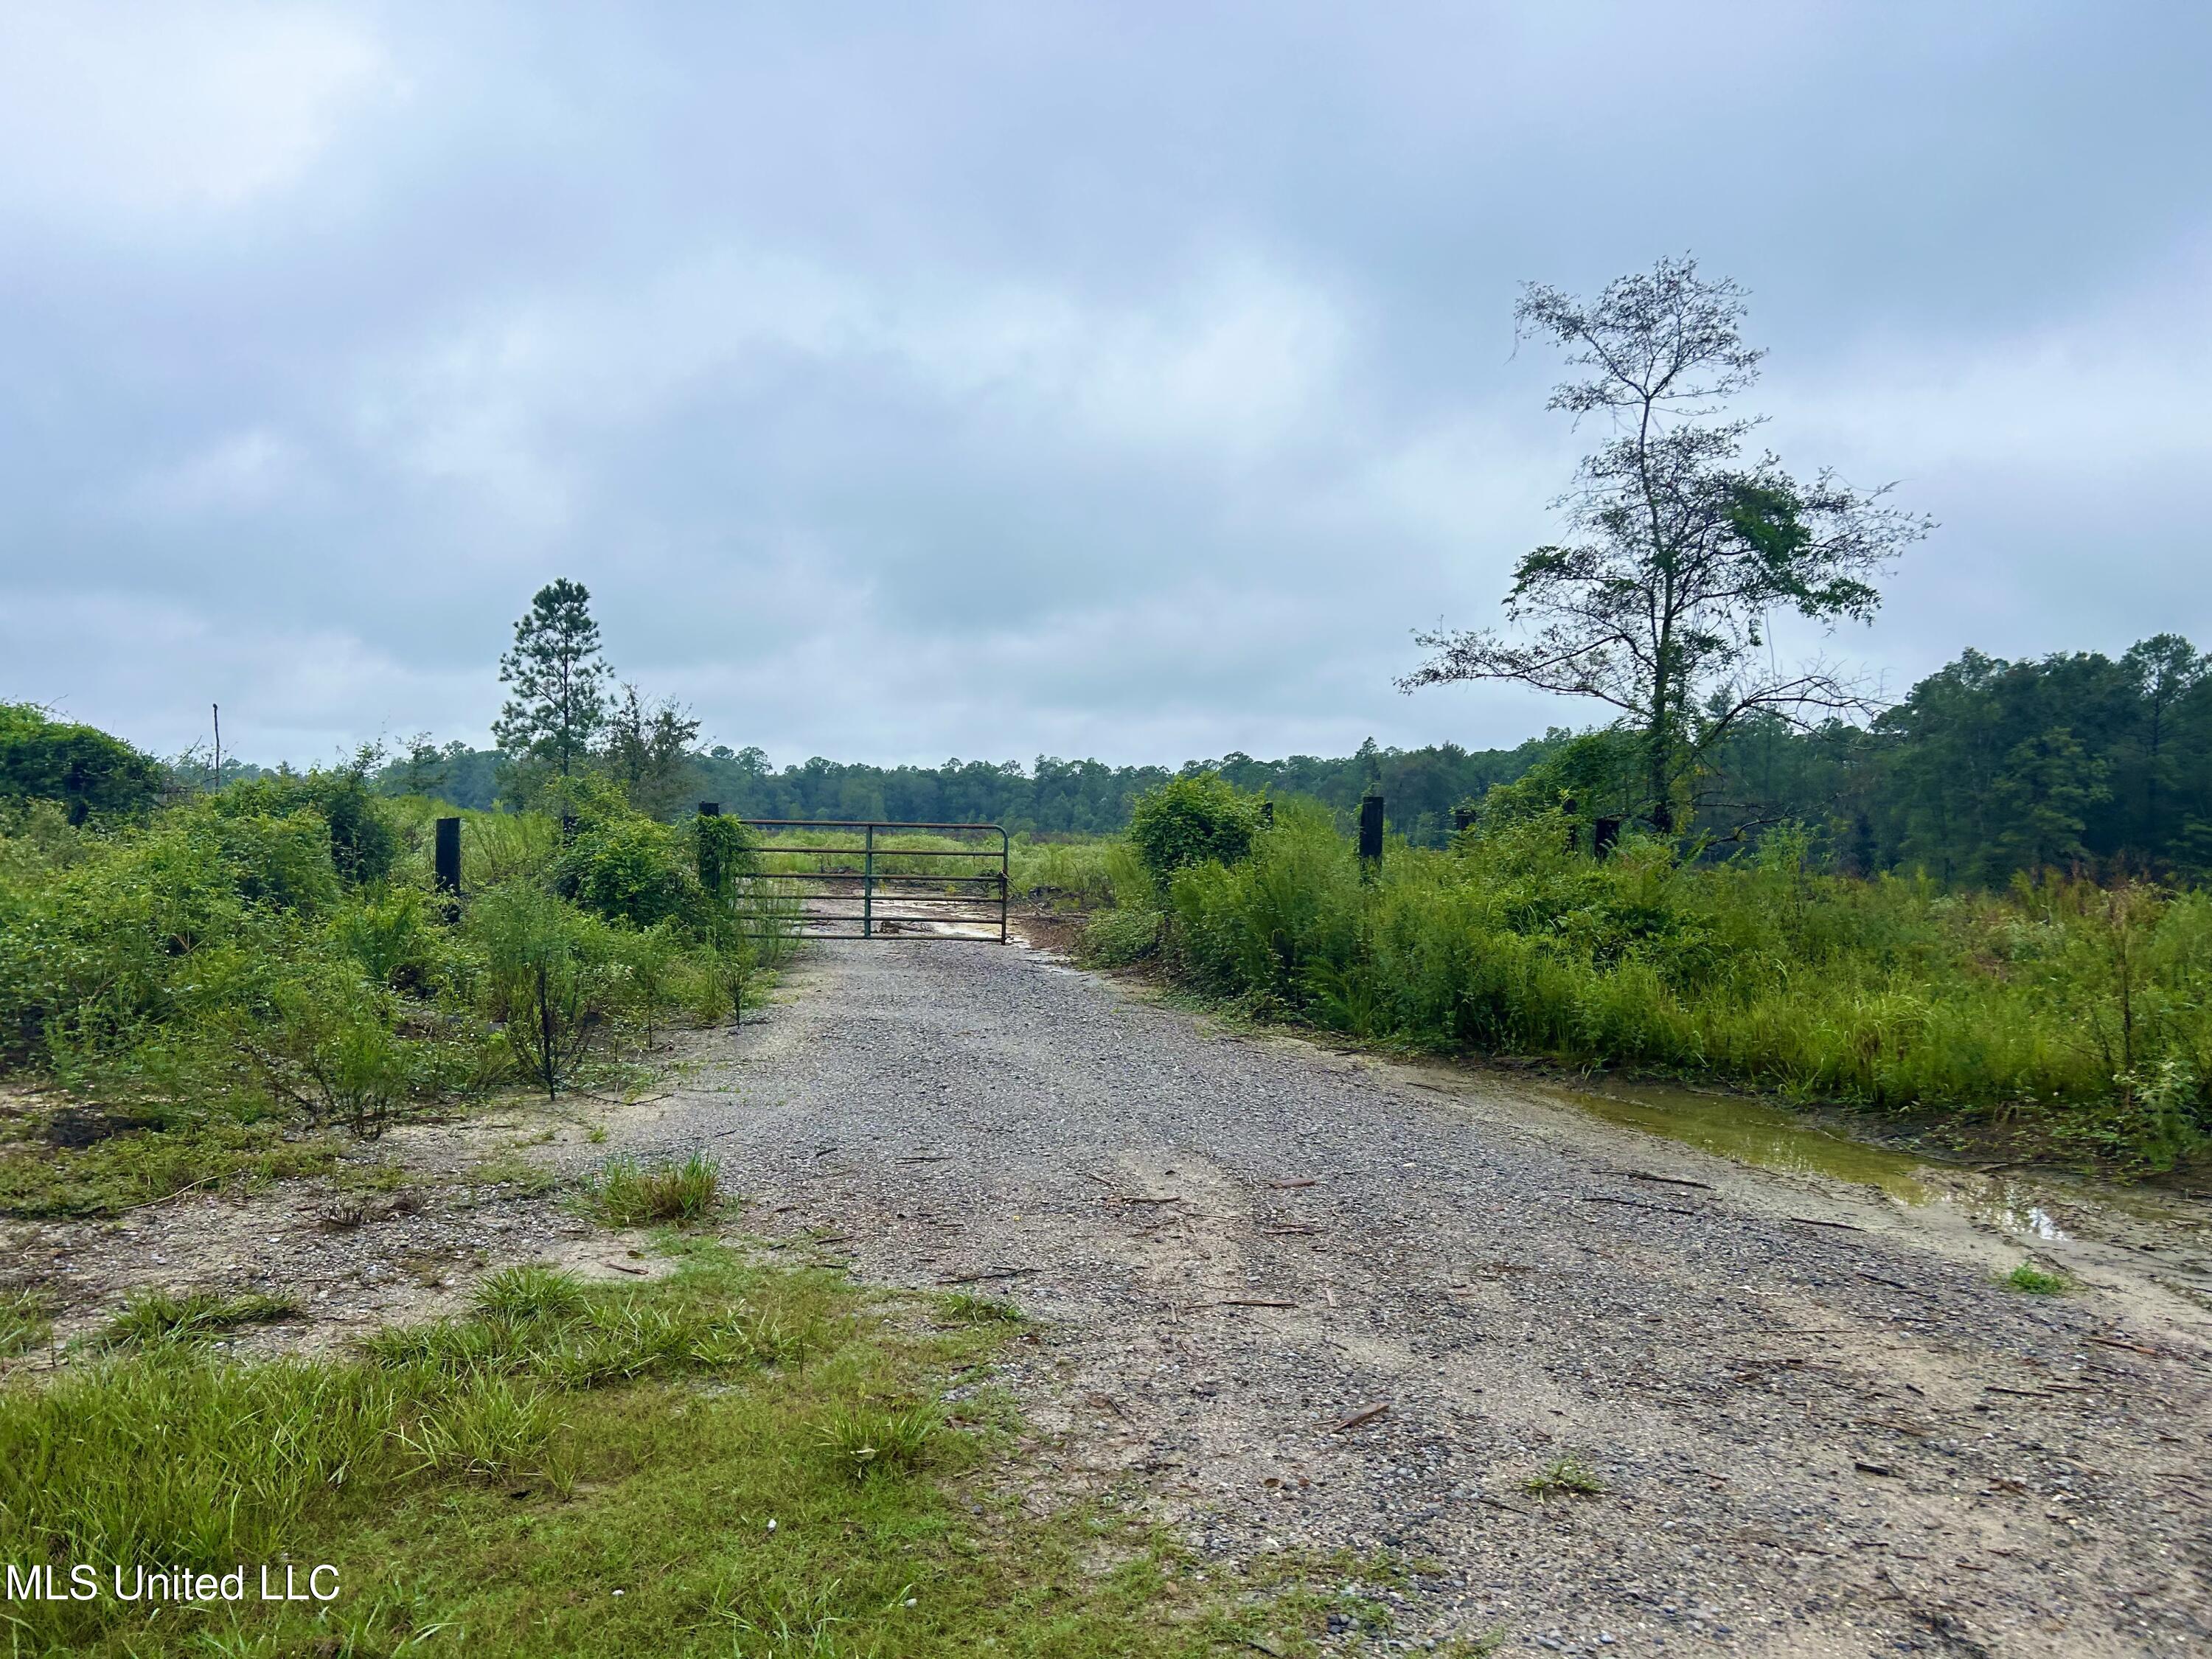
[(1632, 1204), (1368, 1415), (1811, 1221), (1285, 1186), (1671, 1181), (995, 1273), (1248, 1302)]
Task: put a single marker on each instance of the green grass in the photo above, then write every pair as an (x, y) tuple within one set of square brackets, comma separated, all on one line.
[(2031, 1280), (26, 1323), (969, 1309), (628, 1194), (156, 1316), (528, 1178), (672, 1469), (863, 1444), (1567, 1475), (126, 1171)]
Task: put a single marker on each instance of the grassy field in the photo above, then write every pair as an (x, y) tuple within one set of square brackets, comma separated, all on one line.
[(729, 1460), (2077, 1017)]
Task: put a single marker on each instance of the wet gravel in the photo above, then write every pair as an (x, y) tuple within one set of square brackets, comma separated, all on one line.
[(1813, 1438)]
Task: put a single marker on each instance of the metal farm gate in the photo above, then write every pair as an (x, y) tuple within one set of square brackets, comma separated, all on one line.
[(863, 878)]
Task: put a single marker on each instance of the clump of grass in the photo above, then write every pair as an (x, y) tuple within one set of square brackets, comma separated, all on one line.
[(1567, 1474), (495, 1428), (967, 1309), (865, 1443), (2031, 1280), (530, 1291), (26, 1323), (153, 1317), (628, 1194)]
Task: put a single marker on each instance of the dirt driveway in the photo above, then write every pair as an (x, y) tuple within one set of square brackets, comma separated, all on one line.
[(1811, 1438)]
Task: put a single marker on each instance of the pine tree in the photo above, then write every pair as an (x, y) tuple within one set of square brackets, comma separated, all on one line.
[(559, 680)]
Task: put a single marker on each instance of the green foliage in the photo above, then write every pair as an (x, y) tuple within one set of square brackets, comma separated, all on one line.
[(967, 1309), (363, 842), (84, 770), (631, 1438), (122, 1171), (866, 1444), (551, 977), (1568, 1476), (2081, 1015), (26, 1323), (1593, 776), (723, 851), (1193, 820), (2031, 1280)]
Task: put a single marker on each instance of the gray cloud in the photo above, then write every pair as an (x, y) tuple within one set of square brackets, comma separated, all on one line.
[(1112, 380)]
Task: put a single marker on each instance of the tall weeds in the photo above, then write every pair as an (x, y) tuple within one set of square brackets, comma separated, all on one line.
[(2082, 1013)]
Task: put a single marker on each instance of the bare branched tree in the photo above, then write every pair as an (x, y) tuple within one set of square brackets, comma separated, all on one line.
[(1681, 548)]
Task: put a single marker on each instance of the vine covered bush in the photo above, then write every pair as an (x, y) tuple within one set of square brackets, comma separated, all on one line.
[(1193, 820)]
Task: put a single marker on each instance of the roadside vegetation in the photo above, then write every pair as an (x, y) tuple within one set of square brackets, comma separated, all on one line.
[(731, 1460), (2077, 1016), (232, 986)]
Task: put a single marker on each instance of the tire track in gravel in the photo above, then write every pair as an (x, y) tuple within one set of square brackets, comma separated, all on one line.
[(1815, 1440)]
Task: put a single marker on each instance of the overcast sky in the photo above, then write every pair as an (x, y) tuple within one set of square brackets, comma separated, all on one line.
[(1117, 379)]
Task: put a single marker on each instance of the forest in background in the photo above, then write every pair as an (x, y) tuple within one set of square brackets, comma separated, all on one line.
[(1987, 769)]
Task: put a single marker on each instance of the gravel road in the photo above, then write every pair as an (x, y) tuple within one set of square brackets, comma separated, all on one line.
[(1813, 1438)]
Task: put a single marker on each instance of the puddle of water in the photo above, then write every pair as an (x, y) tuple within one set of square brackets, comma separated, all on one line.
[(2042, 1207), (1747, 1131)]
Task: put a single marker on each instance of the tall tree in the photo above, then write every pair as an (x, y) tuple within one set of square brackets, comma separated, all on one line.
[(648, 749), (559, 679), (1682, 548)]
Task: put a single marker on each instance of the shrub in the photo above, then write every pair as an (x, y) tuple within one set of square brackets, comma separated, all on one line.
[(363, 840), (79, 767), (2080, 1014), (546, 969), (1193, 820)]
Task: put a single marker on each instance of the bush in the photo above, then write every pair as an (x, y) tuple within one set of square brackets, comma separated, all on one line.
[(1193, 820), (363, 840), (548, 970), (80, 768)]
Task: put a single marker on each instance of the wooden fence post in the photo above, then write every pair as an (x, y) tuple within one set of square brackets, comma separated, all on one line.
[(1370, 836), (448, 866)]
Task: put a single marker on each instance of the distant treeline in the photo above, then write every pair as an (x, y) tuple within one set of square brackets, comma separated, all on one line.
[(1989, 767), (1986, 768), (1049, 797)]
